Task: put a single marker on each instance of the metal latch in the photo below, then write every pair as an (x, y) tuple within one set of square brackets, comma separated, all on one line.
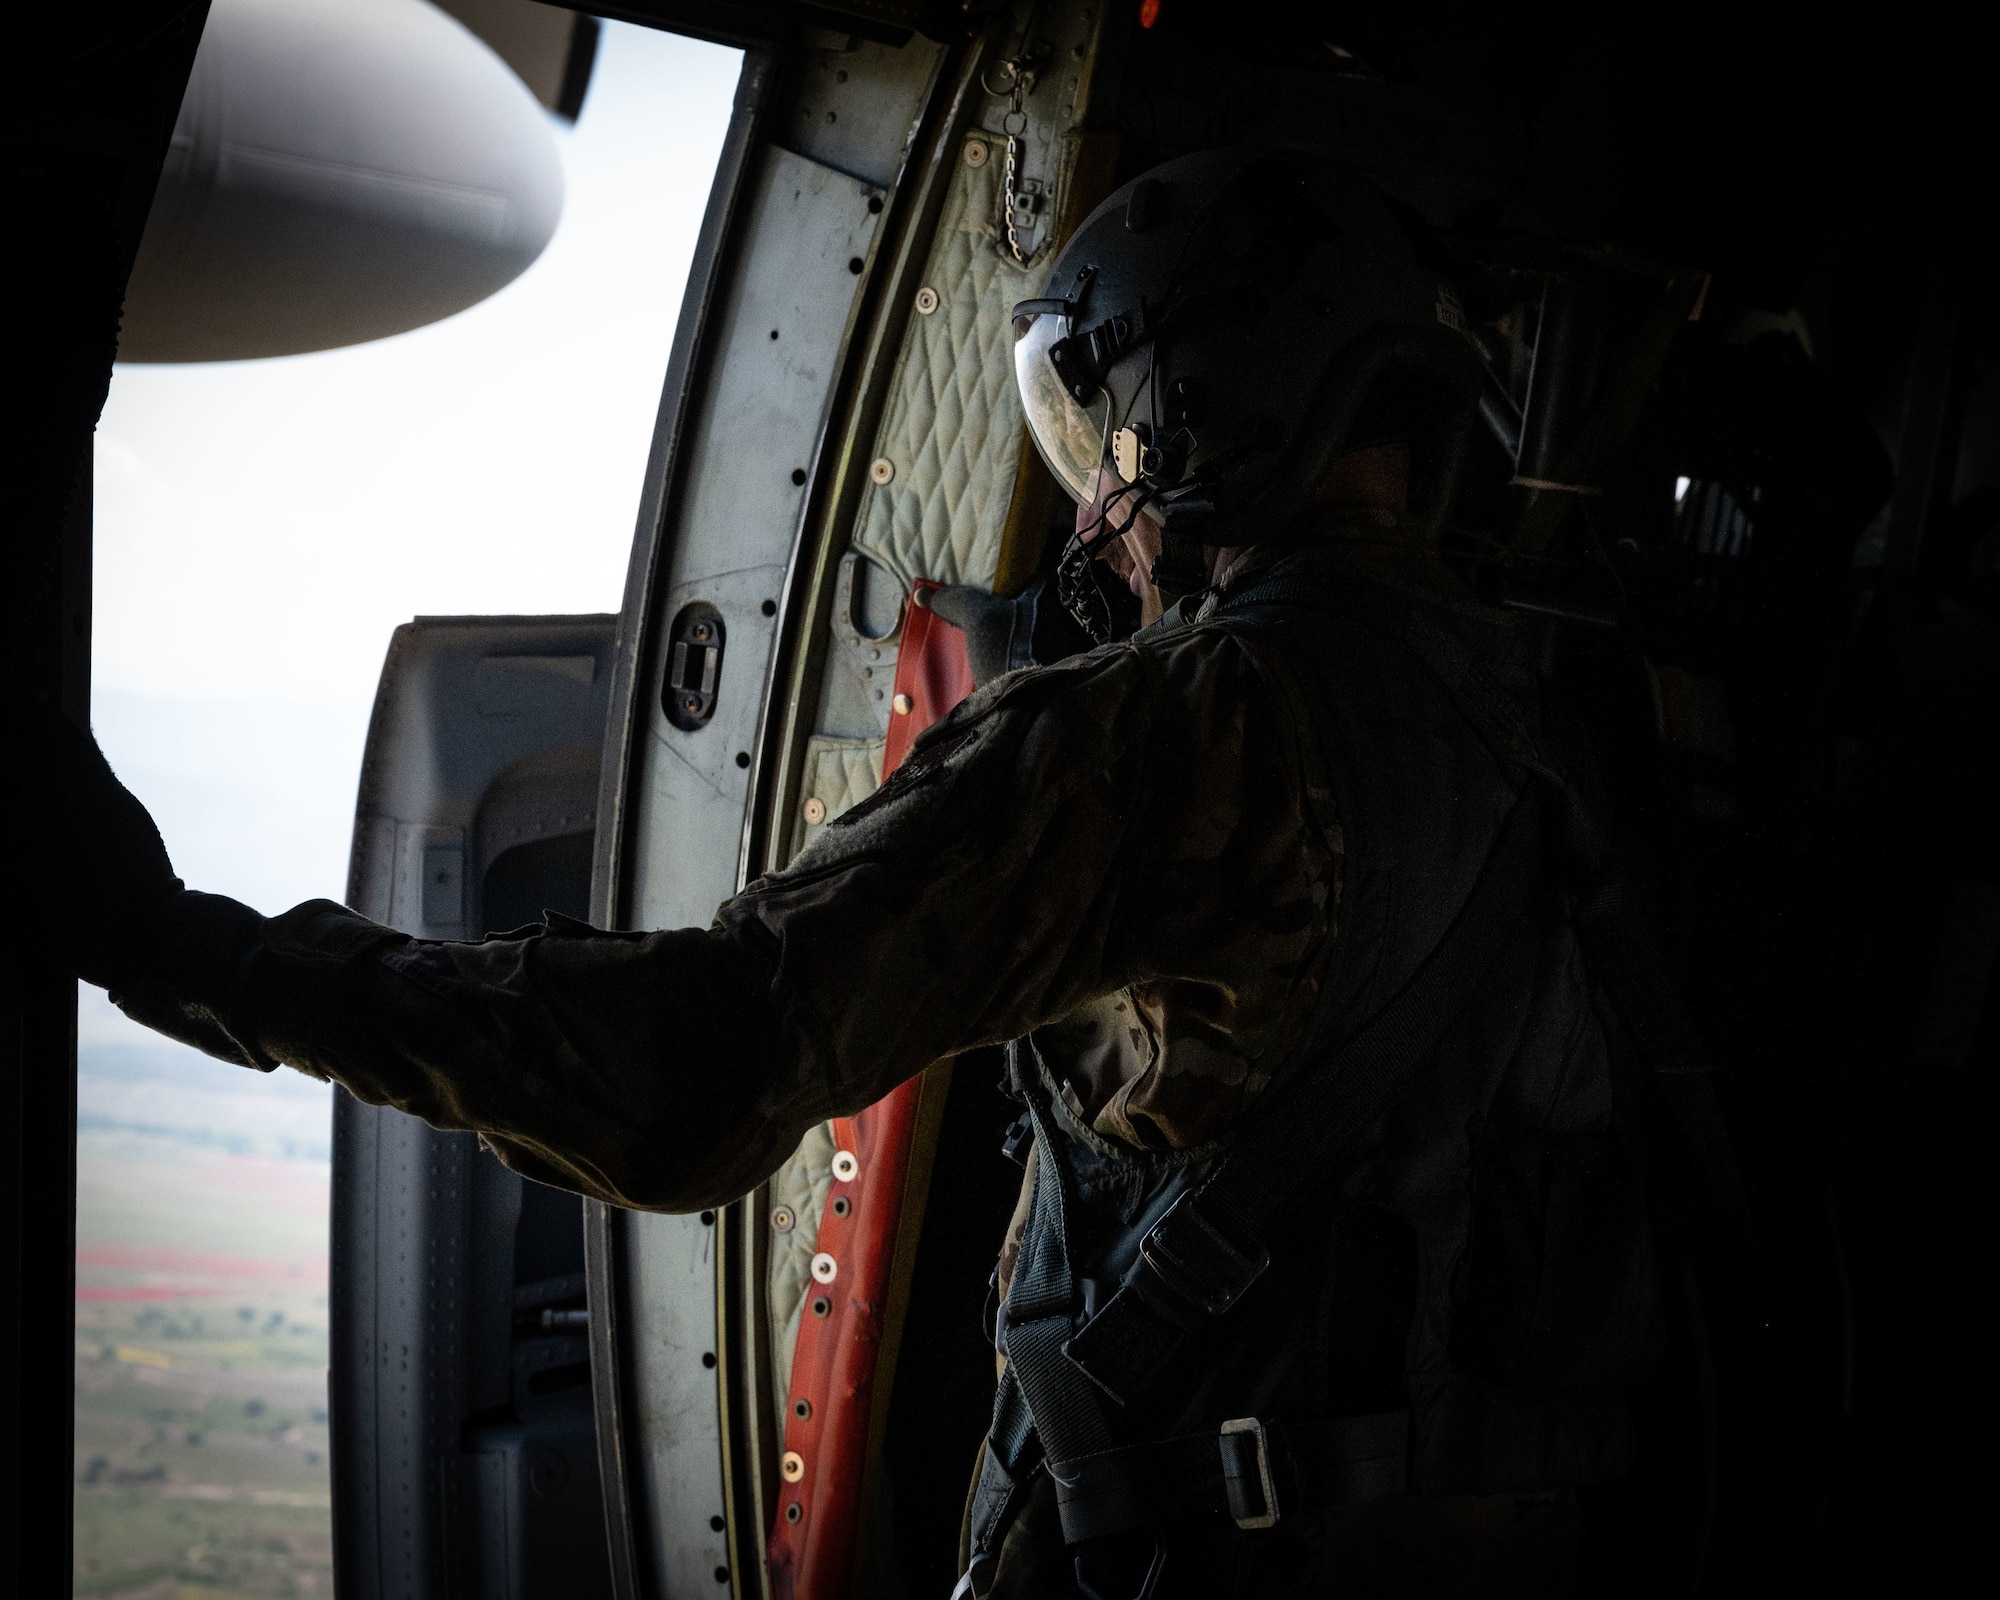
[(694, 666), (1198, 1261), (1246, 1473)]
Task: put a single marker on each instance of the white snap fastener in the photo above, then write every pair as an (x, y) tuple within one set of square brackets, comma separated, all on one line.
[(791, 1466), (927, 300), (824, 1268), (902, 705), (844, 1163), (815, 811), (975, 152), (882, 470)]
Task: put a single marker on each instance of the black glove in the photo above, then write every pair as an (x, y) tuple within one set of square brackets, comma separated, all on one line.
[(122, 919), (999, 634), (109, 876)]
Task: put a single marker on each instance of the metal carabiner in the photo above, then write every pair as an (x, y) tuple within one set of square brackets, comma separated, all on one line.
[(1146, 1588)]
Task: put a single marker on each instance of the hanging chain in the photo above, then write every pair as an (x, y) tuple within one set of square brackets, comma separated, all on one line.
[(1020, 69), (1015, 124)]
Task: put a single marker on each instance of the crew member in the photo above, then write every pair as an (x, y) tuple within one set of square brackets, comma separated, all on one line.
[(1332, 1265)]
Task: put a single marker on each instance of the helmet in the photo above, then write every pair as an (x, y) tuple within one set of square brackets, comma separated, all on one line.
[(1216, 335)]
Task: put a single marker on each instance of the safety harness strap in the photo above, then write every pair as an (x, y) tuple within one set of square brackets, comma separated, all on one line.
[(1249, 1472), (1044, 1407), (1210, 1248)]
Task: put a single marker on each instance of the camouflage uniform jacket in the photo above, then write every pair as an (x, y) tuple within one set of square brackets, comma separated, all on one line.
[(1131, 855)]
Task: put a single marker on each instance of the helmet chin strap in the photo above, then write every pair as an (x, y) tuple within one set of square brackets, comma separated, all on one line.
[(1079, 584)]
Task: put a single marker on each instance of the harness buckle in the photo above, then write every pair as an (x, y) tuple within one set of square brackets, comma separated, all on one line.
[(1246, 1473), (1198, 1261)]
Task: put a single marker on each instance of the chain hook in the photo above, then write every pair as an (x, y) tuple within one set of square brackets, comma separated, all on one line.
[(1014, 125), (1020, 72)]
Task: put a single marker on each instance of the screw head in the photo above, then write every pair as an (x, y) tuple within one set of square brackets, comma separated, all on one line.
[(976, 152), (927, 300), (902, 705), (824, 1268), (882, 470), (783, 1220), (791, 1466), (815, 810), (548, 1475), (845, 1163)]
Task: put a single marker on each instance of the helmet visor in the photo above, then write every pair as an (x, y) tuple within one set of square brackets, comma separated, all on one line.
[(1070, 436)]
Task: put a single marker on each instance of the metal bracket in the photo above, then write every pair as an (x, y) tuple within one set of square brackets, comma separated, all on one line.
[(1200, 1263)]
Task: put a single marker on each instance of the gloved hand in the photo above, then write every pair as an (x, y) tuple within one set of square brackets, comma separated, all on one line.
[(999, 634), (173, 959), (113, 879), (122, 919)]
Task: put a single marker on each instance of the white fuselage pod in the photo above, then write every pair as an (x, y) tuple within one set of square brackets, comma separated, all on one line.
[(341, 170)]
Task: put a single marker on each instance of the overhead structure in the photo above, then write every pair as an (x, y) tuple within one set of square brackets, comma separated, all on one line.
[(341, 170)]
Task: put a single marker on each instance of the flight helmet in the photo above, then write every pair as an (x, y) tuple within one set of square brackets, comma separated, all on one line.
[(1214, 337)]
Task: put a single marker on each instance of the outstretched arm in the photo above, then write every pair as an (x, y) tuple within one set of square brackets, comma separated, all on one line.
[(1065, 833)]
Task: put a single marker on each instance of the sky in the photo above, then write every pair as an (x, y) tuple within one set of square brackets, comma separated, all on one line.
[(263, 526)]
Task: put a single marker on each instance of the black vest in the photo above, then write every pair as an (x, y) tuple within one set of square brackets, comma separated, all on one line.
[(1458, 1304)]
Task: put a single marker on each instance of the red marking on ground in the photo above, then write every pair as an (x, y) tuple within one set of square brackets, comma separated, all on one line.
[(194, 1264), (163, 1258)]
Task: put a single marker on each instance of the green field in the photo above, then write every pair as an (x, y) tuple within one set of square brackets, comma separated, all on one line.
[(201, 1345)]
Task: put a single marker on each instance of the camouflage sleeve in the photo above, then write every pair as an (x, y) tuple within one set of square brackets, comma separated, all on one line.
[(639, 1069), (1138, 819), (1065, 833)]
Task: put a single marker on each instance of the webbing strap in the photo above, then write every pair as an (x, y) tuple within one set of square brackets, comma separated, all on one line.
[(1200, 1258), (1045, 1406), (1253, 1473)]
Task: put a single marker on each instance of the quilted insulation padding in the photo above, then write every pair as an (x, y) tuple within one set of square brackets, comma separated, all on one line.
[(801, 1183), (953, 430), (838, 773)]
